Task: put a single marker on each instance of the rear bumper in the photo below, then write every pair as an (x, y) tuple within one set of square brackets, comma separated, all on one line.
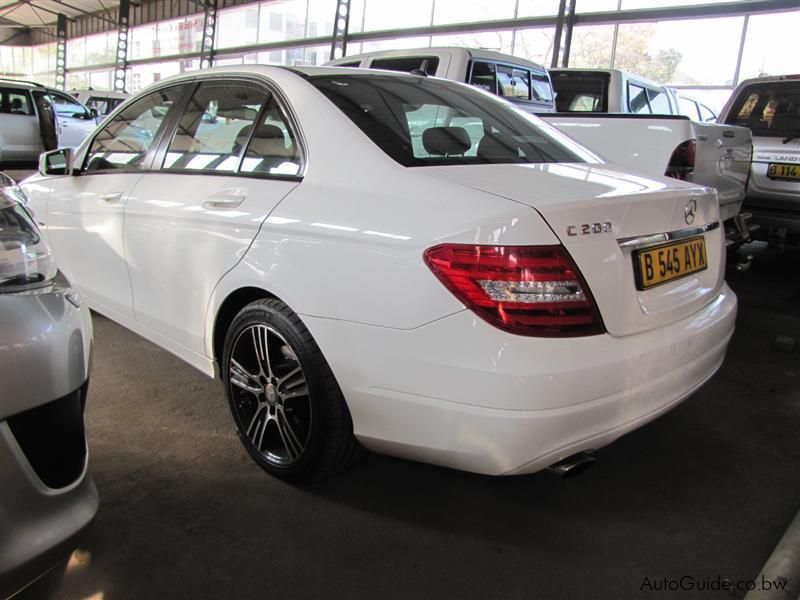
[(773, 203), (462, 394)]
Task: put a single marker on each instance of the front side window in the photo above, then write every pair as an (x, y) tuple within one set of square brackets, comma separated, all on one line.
[(65, 106), (215, 127), (706, 114), (124, 142), (688, 108), (768, 109), (421, 122)]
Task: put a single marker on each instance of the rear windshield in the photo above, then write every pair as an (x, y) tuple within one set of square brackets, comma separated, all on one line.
[(769, 109), (420, 122), (581, 91)]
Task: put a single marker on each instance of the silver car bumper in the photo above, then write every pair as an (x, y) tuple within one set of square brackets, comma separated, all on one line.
[(47, 498)]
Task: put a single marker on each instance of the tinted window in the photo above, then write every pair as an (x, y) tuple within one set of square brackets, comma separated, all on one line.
[(426, 64), (637, 99), (769, 109), (659, 102), (15, 102), (215, 127), (421, 122), (581, 91), (103, 106), (272, 148), (688, 108), (483, 76), (124, 141)]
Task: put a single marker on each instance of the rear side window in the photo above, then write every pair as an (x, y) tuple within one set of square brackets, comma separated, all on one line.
[(659, 102), (426, 64), (15, 102), (483, 76), (215, 127), (706, 114), (581, 91), (637, 99), (421, 122), (124, 141), (272, 149), (541, 88)]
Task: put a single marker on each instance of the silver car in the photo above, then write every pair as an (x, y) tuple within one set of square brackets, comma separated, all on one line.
[(47, 498), (770, 107), (35, 118)]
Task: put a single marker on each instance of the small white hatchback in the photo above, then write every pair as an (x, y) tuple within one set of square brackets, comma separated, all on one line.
[(394, 261)]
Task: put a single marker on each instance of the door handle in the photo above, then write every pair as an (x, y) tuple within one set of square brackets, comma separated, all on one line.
[(230, 198), (111, 198), (729, 133)]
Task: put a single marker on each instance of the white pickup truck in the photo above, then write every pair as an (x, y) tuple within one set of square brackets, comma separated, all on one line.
[(770, 108), (674, 145)]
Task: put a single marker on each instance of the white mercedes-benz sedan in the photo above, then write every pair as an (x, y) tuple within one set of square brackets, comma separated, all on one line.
[(394, 261)]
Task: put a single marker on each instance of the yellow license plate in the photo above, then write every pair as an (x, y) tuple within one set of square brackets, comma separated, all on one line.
[(661, 264), (783, 171)]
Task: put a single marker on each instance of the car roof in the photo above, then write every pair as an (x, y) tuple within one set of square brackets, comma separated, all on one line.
[(770, 79), (439, 50)]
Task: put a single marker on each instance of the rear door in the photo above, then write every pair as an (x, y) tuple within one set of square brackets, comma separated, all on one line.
[(233, 156), (19, 127)]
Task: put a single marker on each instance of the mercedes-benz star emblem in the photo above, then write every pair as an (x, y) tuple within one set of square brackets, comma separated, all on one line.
[(688, 212)]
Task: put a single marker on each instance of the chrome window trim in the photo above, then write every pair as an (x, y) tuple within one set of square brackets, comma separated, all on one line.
[(647, 241)]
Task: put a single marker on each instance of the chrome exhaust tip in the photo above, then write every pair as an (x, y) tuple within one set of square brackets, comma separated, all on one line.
[(572, 465)]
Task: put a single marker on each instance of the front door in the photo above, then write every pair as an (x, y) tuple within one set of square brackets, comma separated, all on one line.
[(85, 213)]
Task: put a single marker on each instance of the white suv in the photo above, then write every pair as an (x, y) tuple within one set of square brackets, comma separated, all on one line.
[(35, 118)]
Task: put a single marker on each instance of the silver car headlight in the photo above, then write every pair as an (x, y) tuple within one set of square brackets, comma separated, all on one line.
[(26, 262)]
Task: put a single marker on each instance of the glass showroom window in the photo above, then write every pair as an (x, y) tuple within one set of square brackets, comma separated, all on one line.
[(144, 42), (685, 52), (535, 44), (591, 47), (499, 41), (285, 20), (76, 53), (771, 46), (457, 11), (238, 26)]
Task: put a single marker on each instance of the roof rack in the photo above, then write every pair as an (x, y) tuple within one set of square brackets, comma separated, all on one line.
[(34, 83)]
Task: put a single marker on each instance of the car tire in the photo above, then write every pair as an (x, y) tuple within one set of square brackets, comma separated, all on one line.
[(286, 405)]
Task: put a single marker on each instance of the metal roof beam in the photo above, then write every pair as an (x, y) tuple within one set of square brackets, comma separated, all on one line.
[(96, 15)]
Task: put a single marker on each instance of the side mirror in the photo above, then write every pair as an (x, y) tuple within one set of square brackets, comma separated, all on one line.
[(56, 162), (93, 112)]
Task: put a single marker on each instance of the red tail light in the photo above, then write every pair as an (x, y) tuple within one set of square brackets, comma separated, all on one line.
[(681, 163), (527, 290)]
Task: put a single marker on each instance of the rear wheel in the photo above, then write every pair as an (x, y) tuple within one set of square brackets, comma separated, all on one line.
[(287, 407)]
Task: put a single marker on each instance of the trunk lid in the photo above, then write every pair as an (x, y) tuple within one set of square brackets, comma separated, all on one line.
[(571, 196)]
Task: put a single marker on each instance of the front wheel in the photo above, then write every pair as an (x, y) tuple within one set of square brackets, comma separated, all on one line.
[(286, 405)]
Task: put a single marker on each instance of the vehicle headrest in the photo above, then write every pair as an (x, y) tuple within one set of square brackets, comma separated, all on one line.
[(269, 140), (444, 141)]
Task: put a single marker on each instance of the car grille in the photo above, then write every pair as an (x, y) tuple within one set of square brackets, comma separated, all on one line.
[(52, 438)]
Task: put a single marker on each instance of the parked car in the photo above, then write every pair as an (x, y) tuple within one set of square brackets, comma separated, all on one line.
[(101, 102), (770, 108), (618, 91), (486, 295), (672, 145), (35, 118), (519, 81), (47, 497)]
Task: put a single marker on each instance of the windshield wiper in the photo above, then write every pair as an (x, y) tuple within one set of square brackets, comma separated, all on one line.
[(790, 138)]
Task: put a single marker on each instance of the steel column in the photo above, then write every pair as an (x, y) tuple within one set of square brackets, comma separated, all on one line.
[(121, 60), (209, 34), (568, 34), (341, 25), (61, 51), (562, 9)]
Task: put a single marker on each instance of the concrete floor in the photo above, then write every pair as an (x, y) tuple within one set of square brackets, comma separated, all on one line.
[(705, 491)]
